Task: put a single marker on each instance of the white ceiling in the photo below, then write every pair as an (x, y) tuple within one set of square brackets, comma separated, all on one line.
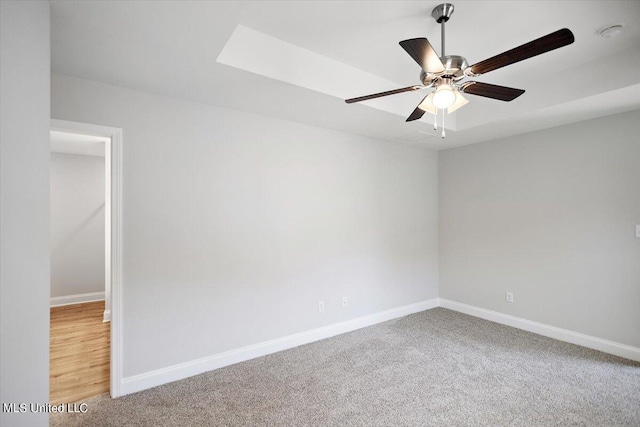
[(171, 48), (74, 143)]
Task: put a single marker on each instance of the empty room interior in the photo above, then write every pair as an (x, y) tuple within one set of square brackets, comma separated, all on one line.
[(320, 213)]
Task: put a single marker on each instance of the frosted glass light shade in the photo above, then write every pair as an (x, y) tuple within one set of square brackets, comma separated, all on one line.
[(443, 96), (427, 104), (459, 102)]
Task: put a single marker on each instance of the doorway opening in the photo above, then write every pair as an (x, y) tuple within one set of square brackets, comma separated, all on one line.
[(85, 261)]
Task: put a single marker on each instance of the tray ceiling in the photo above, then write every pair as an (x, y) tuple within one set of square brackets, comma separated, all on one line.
[(175, 49)]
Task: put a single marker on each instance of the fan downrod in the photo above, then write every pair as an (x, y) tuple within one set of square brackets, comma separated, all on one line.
[(441, 13)]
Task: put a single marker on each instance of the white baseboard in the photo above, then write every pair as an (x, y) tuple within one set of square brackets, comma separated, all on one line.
[(180, 371), (77, 299), (106, 316), (183, 370), (605, 346)]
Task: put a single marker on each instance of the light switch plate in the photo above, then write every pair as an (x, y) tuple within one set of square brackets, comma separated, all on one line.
[(638, 231)]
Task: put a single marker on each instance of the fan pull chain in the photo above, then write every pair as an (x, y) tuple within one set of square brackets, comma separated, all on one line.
[(443, 134), (435, 121)]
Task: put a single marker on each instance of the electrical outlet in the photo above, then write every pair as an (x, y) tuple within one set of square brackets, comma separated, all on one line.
[(509, 296), (345, 302), (321, 306)]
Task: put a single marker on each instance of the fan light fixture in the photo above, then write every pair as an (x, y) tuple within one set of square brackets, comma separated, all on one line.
[(446, 72), (443, 97)]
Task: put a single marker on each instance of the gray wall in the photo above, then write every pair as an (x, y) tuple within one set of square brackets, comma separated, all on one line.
[(77, 224), (236, 225), (550, 216), (24, 208)]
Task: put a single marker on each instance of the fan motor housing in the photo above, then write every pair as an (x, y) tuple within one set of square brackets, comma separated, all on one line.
[(454, 66)]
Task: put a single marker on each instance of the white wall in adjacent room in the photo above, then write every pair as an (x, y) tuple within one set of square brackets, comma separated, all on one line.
[(550, 216), (236, 225), (77, 224), (24, 209)]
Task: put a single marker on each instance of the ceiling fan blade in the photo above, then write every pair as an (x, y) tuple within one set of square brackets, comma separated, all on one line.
[(421, 51), (487, 90), (417, 113), (381, 94), (536, 47)]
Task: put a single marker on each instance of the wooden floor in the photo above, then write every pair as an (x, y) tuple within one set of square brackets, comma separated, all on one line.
[(79, 352)]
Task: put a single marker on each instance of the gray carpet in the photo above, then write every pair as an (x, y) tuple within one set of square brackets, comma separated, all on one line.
[(438, 367)]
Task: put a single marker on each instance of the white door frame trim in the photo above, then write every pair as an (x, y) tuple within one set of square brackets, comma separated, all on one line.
[(115, 153)]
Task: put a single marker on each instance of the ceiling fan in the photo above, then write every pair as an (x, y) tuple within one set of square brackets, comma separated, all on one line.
[(445, 73)]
